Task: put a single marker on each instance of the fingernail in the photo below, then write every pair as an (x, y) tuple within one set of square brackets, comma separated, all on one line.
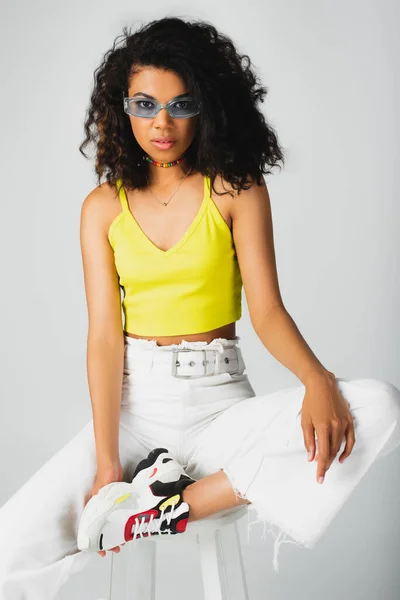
[(321, 480), (309, 455)]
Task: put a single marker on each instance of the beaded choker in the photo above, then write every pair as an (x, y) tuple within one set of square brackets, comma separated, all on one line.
[(178, 161)]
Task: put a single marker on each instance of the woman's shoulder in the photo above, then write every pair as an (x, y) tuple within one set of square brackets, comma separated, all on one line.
[(224, 196), (102, 204), (102, 194)]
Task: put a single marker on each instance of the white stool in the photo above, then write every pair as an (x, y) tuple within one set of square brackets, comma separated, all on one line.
[(133, 569)]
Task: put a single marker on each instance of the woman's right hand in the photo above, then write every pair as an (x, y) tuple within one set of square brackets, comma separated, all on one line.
[(104, 477)]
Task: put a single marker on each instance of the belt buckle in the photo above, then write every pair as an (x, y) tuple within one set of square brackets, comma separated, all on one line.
[(175, 352)]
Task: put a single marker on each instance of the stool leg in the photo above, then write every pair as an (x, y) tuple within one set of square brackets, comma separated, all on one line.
[(133, 571), (223, 579), (241, 583), (212, 564)]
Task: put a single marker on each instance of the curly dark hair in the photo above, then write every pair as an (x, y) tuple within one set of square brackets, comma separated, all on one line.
[(232, 139)]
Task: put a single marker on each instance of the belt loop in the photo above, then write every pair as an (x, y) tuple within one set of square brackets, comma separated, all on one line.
[(218, 360), (241, 363)]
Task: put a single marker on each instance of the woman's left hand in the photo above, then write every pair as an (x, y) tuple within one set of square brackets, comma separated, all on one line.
[(326, 413)]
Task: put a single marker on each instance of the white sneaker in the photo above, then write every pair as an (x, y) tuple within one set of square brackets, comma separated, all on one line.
[(150, 505)]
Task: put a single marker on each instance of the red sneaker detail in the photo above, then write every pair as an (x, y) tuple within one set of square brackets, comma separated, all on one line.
[(130, 524), (181, 525), (153, 473)]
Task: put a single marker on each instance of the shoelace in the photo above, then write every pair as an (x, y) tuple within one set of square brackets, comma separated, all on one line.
[(153, 525)]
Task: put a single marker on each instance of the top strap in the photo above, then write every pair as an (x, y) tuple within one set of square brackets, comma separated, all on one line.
[(207, 181), (122, 195)]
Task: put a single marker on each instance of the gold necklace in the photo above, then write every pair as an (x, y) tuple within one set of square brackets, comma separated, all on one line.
[(174, 192)]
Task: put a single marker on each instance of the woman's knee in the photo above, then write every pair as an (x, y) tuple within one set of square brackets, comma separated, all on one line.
[(387, 399)]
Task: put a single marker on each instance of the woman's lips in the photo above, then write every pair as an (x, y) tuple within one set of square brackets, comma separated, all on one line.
[(163, 145)]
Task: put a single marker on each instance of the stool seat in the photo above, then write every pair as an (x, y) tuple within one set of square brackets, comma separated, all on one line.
[(133, 569)]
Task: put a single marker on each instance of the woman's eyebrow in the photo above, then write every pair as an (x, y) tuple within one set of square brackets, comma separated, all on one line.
[(152, 97)]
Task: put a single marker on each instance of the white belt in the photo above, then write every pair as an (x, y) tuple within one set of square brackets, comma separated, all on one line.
[(188, 363)]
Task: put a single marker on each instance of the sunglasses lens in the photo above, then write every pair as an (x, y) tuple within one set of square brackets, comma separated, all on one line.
[(148, 109), (183, 108)]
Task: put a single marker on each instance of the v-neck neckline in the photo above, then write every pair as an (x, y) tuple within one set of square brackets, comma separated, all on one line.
[(187, 233)]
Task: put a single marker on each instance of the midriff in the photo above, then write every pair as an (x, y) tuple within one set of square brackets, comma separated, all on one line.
[(227, 331)]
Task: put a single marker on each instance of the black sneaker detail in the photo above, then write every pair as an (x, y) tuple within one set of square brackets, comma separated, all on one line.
[(150, 460), (172, 526), (164, 527), (165, 460), (169, 488), (101, 542), (154, 454)]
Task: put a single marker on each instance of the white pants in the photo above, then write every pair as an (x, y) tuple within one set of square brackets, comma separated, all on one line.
[(211, 423)]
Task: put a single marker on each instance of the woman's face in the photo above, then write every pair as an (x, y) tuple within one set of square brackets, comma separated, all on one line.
[(163, 86)]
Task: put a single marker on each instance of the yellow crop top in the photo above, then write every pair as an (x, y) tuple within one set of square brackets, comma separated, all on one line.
[(193, 287)]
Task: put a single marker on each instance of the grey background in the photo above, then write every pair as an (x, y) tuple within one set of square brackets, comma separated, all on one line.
[(333, 80)]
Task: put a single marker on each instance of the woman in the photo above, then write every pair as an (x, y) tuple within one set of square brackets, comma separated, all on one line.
[(182, 221)]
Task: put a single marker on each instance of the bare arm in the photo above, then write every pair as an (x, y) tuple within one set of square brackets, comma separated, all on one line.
[(254, 242), (105, 342)]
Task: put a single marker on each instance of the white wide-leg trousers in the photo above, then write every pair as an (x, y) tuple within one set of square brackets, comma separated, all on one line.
[(210, 423)]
